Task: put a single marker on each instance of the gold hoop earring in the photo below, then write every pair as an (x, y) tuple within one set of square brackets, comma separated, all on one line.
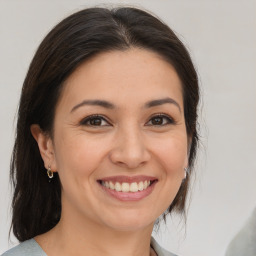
[(50, 172)]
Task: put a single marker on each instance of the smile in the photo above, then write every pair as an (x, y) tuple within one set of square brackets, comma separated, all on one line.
[(128, 188)]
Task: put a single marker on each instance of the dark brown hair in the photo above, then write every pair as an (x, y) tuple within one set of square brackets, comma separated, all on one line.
[(36, 202)]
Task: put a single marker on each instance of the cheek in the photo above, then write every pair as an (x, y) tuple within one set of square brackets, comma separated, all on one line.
[(77, 161), (172, 155), (78, 156)]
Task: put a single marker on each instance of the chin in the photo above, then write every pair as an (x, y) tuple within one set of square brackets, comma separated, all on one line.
[(131, 227), (130, 222)]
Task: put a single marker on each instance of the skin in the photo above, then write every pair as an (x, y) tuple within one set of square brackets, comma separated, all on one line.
[(128, 141)]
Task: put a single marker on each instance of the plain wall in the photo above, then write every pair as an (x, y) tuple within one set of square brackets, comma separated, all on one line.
[(221, 37)]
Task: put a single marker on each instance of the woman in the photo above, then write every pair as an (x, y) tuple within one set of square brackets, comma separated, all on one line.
[(106, 136)]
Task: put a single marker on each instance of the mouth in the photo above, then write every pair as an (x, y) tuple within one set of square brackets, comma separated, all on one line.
[(128, 188)]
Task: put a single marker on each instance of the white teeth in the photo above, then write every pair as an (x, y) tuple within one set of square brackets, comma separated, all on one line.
[(111, 185), (118, 186), (106, 184), (134, 187), (126, 187), (145, 184), (141, 186)]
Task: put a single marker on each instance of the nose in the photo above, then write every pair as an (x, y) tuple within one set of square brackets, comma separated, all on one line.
[(129, 149)]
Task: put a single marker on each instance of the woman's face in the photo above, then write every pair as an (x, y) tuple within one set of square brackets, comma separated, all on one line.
[(120, 142)]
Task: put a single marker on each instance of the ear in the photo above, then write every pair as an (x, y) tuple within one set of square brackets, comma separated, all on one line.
[(45, 145)]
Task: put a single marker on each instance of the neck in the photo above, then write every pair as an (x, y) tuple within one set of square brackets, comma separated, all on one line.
[(76, 237)]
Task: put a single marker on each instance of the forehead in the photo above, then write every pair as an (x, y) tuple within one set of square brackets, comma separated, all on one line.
[(133, 74)]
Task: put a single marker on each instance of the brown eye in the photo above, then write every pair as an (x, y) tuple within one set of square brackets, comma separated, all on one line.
[(157, 120), (94, 121), (160, 120)]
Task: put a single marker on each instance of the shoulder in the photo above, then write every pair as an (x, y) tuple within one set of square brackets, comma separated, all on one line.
[(159, 250), (27, 248), (244, 241)]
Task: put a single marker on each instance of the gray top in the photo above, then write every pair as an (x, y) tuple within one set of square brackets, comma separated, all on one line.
[(32, 248), (29, 247), (244, 243)]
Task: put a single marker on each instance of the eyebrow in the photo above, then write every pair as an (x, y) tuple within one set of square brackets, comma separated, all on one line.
[(109, 105), (154, 103), (101, 103)]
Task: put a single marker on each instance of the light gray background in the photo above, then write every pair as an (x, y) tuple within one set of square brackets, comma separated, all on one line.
[(221, 36)]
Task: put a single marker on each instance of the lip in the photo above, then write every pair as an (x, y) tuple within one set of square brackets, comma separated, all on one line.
[(128, 179), (128, 196)]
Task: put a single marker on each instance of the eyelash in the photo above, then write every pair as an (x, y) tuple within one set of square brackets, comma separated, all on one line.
[(168, 119), (164, 116), (93, 117)]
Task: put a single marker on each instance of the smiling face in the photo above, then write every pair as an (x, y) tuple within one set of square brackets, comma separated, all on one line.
[(120, 141)]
